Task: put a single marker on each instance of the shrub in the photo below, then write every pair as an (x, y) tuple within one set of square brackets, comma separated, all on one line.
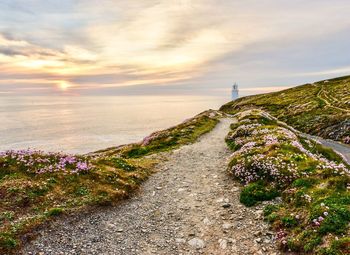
[(270, 209), (255, 192), (54, 212), (7, 241)]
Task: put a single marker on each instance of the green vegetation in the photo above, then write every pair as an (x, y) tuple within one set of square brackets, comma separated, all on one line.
[(271, 160), (257, 191), (321, 108), (184, 133), (36, 186)]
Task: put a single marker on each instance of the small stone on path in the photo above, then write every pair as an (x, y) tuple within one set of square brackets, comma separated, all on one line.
[(196, 243)]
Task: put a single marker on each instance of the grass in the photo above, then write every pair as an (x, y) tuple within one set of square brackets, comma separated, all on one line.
[(257, 191), (172, 138), (321, 108), (271, 160), (36, 187)]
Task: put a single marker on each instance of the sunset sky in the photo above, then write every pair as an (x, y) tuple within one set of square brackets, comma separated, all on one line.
[(102, 47)]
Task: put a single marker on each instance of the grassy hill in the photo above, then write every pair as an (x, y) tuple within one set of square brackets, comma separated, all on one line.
[(321, 108), (272, 160)]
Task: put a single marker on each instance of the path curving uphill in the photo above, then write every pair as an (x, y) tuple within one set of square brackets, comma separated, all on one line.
[(190, 206), (323, 96)]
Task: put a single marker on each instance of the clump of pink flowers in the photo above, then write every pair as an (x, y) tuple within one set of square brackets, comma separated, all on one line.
[(39, 162), (282, 236), (254, 161)]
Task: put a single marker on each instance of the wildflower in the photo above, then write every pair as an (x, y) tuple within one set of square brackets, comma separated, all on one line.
[(325, 213), (39, 162)]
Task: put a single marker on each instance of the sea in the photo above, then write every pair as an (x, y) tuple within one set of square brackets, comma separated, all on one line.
[(82, 124)]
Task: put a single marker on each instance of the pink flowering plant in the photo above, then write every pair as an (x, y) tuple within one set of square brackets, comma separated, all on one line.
[(39, 162), (270, 159), (36, 186)]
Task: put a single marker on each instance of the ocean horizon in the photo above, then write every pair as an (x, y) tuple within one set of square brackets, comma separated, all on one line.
[(82, 124)]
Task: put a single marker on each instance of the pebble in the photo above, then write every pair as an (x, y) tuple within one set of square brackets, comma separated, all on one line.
[(227, 226), (226, 205), (196, 243), (223, 244)]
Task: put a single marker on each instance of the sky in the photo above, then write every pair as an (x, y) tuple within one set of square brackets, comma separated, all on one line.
[(122, 47)]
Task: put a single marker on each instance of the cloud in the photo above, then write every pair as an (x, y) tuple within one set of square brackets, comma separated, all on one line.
[(335, 71), (205, 43)]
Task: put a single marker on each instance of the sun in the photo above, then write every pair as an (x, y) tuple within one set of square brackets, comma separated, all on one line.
[(64, 85)]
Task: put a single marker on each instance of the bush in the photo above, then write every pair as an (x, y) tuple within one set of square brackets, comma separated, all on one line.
[(54, 212), (7, 241), (270, 209), (289, 221), (255, 192), (304, 183)]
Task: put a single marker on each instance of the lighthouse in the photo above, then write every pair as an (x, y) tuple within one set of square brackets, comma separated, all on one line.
[(234, 93)]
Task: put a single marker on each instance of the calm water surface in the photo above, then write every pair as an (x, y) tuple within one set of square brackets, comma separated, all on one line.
[(85, 124)]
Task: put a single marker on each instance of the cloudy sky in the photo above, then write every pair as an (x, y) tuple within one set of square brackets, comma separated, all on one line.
[(169, 46)]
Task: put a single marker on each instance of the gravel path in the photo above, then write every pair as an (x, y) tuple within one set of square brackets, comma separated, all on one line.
[(190, 206)]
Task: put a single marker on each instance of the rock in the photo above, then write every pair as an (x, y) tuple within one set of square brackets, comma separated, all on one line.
[(226, 205), (120, 230), (258, 240), (259, 212), (196, 243), (269, 233), (257, 233), (235, 189), (223, 244), (158, 188), (226, 226), (180, 240), (234, 249), (206, 221)]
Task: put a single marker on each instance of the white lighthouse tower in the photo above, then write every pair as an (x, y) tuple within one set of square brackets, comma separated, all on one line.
[(234, 93)]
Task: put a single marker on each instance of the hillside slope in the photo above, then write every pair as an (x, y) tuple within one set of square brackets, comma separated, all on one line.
[(272, 160), (37, 186), (321, 108)]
